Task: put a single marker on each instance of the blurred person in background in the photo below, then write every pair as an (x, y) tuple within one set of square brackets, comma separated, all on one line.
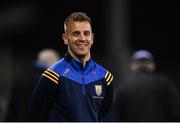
[(23, 88), (75, 88), (147, 95), (45, 58)]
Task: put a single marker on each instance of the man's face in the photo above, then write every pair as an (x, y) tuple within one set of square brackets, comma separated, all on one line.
[(79, 38)]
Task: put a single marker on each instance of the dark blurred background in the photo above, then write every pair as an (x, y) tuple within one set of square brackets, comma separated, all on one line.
[(120, 27)]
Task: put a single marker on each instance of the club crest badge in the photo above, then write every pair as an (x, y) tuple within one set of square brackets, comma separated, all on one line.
[(98, 89)]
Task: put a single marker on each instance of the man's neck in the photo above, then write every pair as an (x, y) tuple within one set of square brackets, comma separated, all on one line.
[(82, 59)]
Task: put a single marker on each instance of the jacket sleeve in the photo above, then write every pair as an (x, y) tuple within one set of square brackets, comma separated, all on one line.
[(108, 99), (43, 96)]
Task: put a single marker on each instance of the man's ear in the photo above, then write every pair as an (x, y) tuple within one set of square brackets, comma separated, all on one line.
[(92, 38), (65, 39)]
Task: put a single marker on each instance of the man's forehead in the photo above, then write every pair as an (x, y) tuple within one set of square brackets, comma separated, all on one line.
[(80, 24)]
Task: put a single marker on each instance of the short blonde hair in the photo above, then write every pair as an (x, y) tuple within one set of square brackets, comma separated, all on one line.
[(75, 16)]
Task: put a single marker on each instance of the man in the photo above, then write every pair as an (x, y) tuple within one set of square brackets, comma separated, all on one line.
[(75, 88), (147, 95)]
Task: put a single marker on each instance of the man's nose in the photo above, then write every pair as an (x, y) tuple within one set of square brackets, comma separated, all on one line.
[(81, 37)]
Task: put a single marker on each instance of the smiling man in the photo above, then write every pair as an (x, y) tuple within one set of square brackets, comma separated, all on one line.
[(75, 88)]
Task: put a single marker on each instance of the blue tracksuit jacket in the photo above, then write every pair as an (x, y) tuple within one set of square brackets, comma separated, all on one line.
[(67, 91)]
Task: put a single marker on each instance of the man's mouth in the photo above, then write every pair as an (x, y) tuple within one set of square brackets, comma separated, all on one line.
[(81, 45)]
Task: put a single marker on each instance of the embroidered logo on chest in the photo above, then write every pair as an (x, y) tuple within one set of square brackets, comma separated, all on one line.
[(98, 89)]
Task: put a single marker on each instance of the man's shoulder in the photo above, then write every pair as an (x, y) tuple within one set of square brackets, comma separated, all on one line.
[(59, 66), (53, 73), (103, 72), (101, 67)]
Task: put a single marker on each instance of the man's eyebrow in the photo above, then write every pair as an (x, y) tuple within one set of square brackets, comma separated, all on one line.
[(75, 31)]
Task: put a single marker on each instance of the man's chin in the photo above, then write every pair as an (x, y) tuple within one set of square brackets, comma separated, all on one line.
[(81, 54)]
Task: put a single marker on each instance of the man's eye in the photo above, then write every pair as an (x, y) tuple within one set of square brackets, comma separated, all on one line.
[(87, 33), (75, 34)]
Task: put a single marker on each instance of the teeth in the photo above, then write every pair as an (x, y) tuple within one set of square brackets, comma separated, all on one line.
[(81, 45)]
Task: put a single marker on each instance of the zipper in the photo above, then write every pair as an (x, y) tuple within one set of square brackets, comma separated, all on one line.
[(83, 84)]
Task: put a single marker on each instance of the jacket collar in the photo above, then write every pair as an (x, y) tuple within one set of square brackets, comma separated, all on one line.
[(78, 66)]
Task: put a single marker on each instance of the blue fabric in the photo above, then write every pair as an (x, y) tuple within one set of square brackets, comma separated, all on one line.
[(75, 70), (75, 97)]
